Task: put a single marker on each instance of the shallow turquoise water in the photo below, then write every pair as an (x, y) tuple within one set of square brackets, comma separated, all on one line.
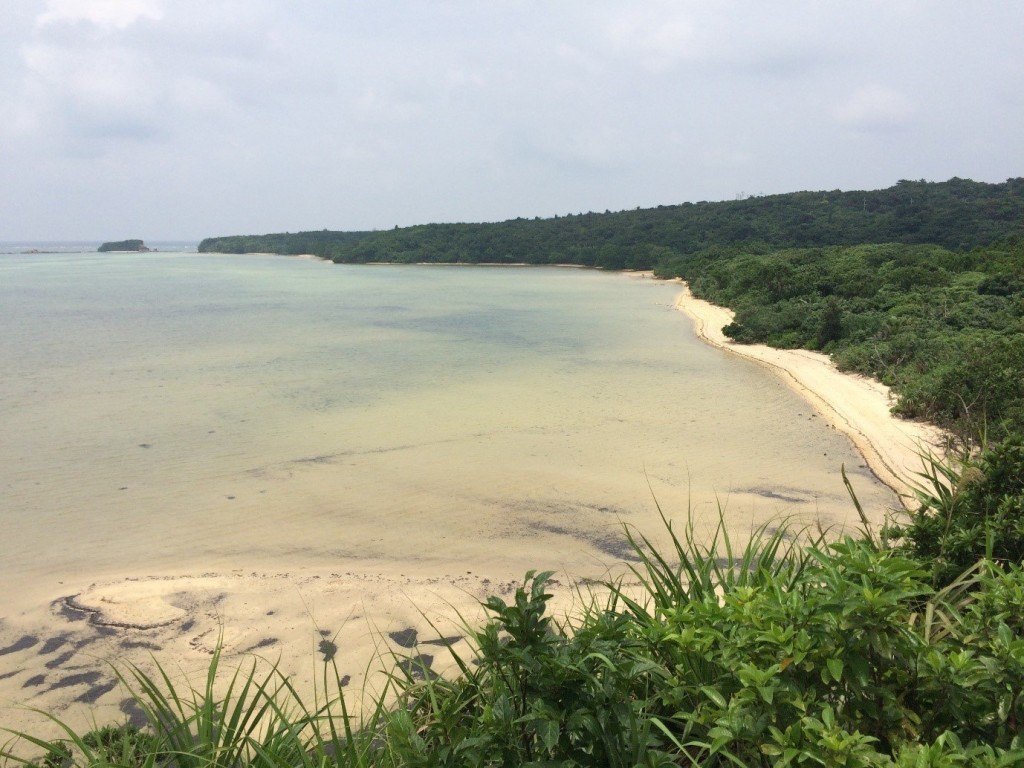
[(194, 411)]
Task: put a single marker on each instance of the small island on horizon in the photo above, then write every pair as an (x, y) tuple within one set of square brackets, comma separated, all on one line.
[(136, 246)]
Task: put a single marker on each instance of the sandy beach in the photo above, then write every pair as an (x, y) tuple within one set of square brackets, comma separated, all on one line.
[(855, 405)]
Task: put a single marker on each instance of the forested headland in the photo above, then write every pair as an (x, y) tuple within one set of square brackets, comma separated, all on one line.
[(958, 214), (920, 285), (123, 245)]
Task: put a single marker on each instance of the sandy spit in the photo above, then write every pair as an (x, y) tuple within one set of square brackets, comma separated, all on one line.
[(855, 405)]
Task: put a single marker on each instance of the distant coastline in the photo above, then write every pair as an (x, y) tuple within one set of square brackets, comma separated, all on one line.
[(66, 247)]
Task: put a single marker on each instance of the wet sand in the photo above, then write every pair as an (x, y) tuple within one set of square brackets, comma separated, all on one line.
[(237, 454)]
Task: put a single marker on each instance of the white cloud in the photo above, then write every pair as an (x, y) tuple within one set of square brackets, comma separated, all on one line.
[(874, 107), (586, 62), (658, 35), (461, 78), (717, 157), (106, 14), (255, 114), (116, 77), (380, 106), (93, 79), (196, 93)]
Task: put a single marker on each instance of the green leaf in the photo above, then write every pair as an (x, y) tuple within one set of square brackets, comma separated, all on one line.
[(715, 696), (835, 666), (547, 730)]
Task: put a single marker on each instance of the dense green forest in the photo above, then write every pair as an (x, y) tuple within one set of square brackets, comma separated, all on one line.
[(920, 285), (122, 245), (957, 214), (322, 243), (944, 328)]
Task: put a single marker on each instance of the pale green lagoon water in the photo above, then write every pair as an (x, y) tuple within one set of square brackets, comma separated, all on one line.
[(262, 450), (187, 411)]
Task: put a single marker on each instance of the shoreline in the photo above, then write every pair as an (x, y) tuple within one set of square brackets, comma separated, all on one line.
[(852, 404), (356, 596)]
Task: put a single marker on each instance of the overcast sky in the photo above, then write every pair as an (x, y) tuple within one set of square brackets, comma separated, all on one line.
[(169, 119)]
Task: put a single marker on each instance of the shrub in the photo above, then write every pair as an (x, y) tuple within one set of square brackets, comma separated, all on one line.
[(969, 510)]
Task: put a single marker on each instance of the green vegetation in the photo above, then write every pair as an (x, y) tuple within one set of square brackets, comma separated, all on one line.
[(123, 245), (944, 328), (957, 214), (971, 507), (790, 651), (316, 243)]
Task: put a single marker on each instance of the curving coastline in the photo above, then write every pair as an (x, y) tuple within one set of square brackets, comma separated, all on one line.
[(855, 405)]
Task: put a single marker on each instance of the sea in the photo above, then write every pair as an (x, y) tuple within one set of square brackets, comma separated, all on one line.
[(173, 414)]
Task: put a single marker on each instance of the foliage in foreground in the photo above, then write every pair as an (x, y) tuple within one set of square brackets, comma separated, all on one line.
[(784, 653), (971, 507)]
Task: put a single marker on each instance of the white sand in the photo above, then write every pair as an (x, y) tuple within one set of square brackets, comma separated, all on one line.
[(855, 405)]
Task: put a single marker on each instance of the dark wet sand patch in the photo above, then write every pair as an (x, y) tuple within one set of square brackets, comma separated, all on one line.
[(8, 675), (34, 681), (130, 644), (22, 644), (549, 509), (54, 643), (444, 641), (324, 459), (406, 638), (614, 544), (81, 678), (418, 667), (95, 691), (782, 533), (66, 610), (785, 495), (59, 660), (266, 642), (95, 616)]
